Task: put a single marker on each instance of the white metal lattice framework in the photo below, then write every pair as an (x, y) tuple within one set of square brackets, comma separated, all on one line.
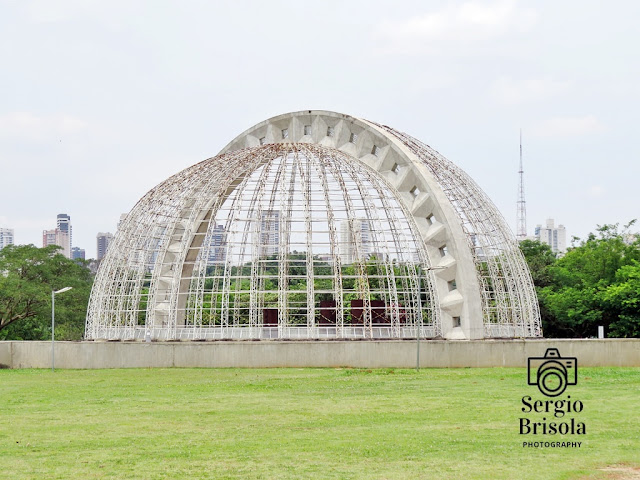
[(315, 224)]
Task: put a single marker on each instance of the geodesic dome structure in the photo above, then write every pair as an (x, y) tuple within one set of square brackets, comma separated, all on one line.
[(315, 225)]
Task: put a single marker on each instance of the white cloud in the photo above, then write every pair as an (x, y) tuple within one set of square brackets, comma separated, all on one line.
[(462, 25), (568, 127), (26, 125), (597, 191), (513, 92)]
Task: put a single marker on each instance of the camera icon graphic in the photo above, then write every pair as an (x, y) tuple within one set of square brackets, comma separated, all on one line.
[(552, 373)]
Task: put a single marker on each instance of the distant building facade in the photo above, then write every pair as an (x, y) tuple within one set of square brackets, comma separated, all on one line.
[(77, 253), (555, 237), (61, 235), (63, 224), (103, 239), (269, 233), (355, 244), (49, 237), (6, 237), (218, 250)]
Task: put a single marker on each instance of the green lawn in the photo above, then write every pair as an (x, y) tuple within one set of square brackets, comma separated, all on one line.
[(304, 423)]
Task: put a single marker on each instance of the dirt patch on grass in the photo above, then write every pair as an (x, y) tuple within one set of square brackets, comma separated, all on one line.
[(622, 472)]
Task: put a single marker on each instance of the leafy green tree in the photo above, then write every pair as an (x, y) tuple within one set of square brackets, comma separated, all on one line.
[(596, 260), (621, 302), (539, 257), (595, 283), (27, 276)]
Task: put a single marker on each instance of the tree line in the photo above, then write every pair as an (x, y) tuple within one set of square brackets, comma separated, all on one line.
[(28, 275), (596, 282)]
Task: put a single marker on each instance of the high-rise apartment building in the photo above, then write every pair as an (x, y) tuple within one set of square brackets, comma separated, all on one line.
[(6, 237), (103, 240), (355, 244), (49, 237), (269, 232), (555, 237), (63, 223), (64, 233), (77, 253), (217, 252), (60, 236)]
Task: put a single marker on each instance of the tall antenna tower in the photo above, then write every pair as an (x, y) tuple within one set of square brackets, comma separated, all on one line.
[(521, 218)]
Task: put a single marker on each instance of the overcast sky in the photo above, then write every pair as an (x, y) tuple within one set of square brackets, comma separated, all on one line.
[(102, 100)]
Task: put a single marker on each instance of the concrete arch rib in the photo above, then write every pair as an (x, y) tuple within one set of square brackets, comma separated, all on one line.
[(482, 282)]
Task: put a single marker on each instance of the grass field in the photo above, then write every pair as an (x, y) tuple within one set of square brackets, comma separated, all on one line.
[(306, 423)]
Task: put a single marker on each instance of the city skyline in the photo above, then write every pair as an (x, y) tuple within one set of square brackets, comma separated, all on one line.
[(143, 97), (543, 232)]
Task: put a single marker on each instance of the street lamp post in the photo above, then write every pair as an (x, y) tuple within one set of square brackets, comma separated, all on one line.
[(53, 322)]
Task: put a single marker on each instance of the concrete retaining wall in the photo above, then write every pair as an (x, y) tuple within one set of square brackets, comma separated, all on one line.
[(366, 354)]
